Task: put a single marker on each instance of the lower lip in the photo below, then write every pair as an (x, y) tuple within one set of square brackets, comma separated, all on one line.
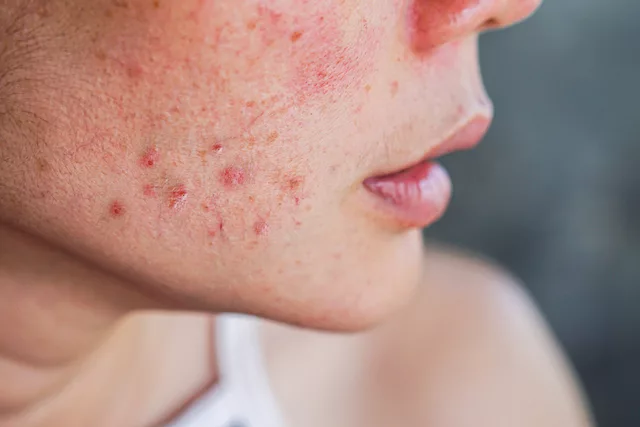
[(416, 197)]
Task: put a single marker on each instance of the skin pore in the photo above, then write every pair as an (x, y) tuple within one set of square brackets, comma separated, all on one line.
[(208, 155)]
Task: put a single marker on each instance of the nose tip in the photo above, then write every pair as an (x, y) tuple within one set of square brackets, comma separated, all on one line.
[(435, 22)]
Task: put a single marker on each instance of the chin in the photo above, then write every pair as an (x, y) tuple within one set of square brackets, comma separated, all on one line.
[(363, 298)]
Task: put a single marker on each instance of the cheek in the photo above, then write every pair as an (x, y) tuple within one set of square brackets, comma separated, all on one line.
[(220, 99)]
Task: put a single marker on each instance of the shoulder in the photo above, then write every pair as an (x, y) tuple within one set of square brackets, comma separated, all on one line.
[(472, 349)]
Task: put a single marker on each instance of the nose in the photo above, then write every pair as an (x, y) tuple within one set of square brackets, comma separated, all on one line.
[(435, 22)]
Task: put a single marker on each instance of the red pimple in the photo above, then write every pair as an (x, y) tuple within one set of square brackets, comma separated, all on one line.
[(134, 71), (150, 157), (394, 88), (261, 228), (216, 148), (178, 196), (149, 190), (232, 176), (116, 209)]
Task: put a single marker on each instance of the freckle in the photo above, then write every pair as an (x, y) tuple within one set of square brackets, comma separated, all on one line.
[(232, 176), (42, 165), (295, 36), (149, 190), (367, 88), (294, 183), (116, 209), (251, 25), (394, 88), (203, 156), (156, 4), (150, 157), (251, 104), (261, 228), (216, 148), (108, 13), (252, 199), (272, 137), (101, 55), (178, 196)]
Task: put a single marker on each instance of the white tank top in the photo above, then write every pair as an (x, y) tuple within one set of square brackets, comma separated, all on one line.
[(242, 398)]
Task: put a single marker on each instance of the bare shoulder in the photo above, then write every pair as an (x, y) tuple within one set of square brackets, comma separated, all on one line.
[(472, 349)]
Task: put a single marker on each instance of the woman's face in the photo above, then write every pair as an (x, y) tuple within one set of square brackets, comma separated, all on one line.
[(215, 151)]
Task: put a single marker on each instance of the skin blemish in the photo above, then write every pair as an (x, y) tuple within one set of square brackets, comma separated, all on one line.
[(150, 157), (134, 70), (216, 148), (294, 183), (42, 165), (232, 177), (203, 156), (149, 190), (367, 88), (116, 209), (295, 36), (177, 196), (261, 228), (394, 88), (272, 137)]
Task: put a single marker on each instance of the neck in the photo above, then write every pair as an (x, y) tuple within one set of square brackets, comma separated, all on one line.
[(72, 353)]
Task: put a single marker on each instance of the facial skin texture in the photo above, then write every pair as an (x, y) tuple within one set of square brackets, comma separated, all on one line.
[(211, 153)]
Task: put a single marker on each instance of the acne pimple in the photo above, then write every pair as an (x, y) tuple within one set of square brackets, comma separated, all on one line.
[(232, 176), (116, 209), (394, 88), (177, 196), (216, 148), (149, 190), (150, 157), (295, 36), (261, 228)]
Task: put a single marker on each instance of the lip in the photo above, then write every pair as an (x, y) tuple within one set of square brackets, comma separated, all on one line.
[(417, 195)]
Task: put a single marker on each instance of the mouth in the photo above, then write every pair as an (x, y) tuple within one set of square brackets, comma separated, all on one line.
[(417, 195)]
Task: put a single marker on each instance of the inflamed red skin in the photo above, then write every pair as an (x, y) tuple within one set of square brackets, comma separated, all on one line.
[(194, 144)]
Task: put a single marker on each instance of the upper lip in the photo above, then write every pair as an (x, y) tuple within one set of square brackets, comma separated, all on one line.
[(464, 137)]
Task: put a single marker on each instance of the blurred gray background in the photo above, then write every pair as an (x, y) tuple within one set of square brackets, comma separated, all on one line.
[(553, 193)]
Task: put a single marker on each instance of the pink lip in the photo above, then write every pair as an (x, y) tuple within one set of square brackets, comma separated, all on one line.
[(418, 195)]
